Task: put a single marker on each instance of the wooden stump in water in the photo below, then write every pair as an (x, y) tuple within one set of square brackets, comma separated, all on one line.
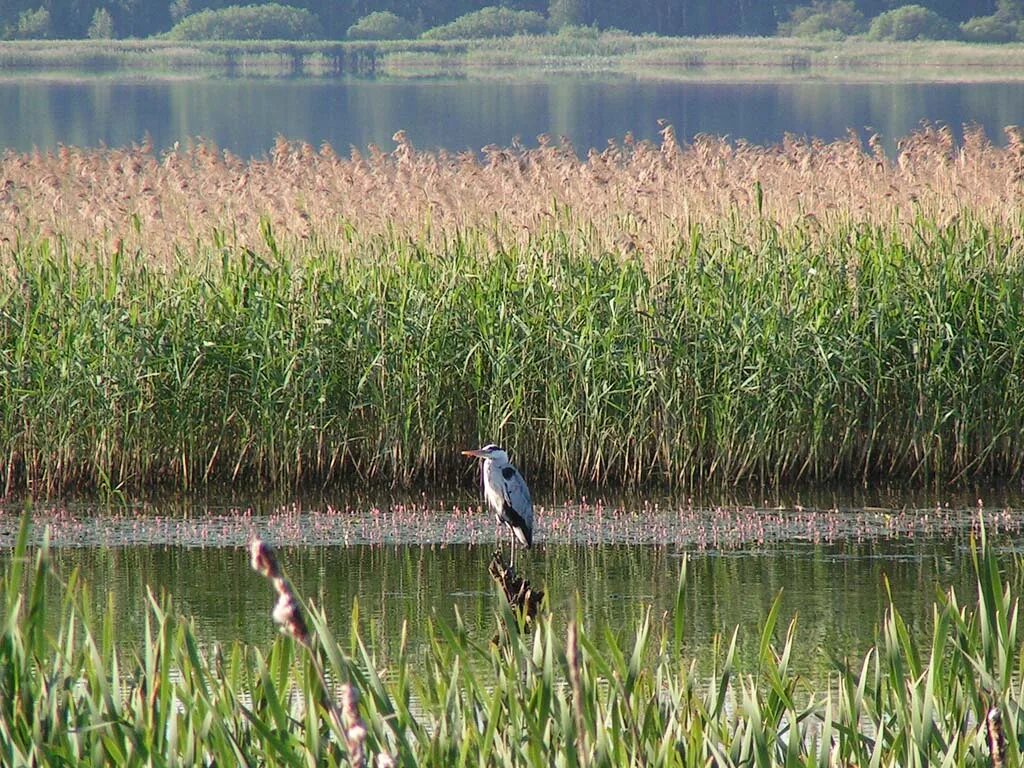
[(520, 595)]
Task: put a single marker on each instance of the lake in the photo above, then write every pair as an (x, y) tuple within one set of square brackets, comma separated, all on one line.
[(427, 559), (245, 115)]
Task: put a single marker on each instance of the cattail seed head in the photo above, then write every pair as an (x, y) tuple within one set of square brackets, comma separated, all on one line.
[(288, 614), (350, 700), (996, 740), (263, 559), (355, 729)]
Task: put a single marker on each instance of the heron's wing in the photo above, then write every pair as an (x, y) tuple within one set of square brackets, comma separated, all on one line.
[(516, 495)]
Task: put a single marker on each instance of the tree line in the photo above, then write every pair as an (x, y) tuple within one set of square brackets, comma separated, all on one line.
[(334, 18)]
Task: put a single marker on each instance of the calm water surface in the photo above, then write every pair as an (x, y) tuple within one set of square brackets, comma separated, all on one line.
[(414, 561), (245, 115)]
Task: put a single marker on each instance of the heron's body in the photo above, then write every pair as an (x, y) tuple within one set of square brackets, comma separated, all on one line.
[(507, 494)]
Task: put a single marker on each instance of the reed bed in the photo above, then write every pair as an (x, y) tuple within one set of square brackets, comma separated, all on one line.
[(868, 355), (629, 196), (75, 695), (649, 313)]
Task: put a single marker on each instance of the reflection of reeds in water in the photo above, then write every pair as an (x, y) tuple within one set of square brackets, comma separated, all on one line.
[(630, 196)]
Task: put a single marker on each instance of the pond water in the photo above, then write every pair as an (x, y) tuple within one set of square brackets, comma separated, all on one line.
[(245, 115), (427, 559)]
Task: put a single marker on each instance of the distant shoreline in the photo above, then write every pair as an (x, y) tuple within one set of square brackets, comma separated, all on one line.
[(725, 59)]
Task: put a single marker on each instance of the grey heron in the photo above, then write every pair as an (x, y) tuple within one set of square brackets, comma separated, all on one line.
[(507, 494)]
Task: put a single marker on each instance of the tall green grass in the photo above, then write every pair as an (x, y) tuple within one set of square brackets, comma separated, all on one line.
[(782, 355), (76, 696)]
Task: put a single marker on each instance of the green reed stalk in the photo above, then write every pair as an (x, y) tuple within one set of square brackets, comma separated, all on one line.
[(864, 352), (70, 696)]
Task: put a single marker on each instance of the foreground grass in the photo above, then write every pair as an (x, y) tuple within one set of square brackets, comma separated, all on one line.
[(75, 696)]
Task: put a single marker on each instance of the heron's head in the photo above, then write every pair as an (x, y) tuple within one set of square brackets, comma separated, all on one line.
[(488, 452)]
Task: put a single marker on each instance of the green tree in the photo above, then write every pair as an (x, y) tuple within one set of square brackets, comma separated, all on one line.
[(837, 17), (490, 22), (911, 22), (565, 13), (102, 25), (139, 18), (989, 29), (179, 9), (270, 21), (382, 25), (1003, 26), (1010, 9), (33, 24)]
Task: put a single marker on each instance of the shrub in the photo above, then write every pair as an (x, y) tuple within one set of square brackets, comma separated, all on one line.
[(179, 9), (102, 25), (911, 22), (249, 22), (577, 41), (32, 24), (824, 18), (989, 29), (490, 22), (565, 13), (1010, 9), (382, 25)]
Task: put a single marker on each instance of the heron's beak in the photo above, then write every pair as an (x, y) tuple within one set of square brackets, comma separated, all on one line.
[(475, 453)]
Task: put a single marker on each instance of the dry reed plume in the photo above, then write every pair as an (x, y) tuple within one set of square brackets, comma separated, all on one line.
[(633, 195)]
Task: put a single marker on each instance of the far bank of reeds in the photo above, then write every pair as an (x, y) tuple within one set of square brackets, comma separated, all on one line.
[(650, 314), (574, 50)]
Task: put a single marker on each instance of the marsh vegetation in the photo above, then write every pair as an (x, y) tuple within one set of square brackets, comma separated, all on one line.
[(647, 313), (651, 312), (532, 696)]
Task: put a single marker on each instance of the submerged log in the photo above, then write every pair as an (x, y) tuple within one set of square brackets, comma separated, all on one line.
[(520, 595)]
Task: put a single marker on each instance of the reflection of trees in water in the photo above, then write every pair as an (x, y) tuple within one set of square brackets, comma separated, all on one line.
[(245, 115)]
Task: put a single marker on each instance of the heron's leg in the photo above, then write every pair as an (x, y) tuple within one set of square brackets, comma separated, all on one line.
[(513, 566)]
